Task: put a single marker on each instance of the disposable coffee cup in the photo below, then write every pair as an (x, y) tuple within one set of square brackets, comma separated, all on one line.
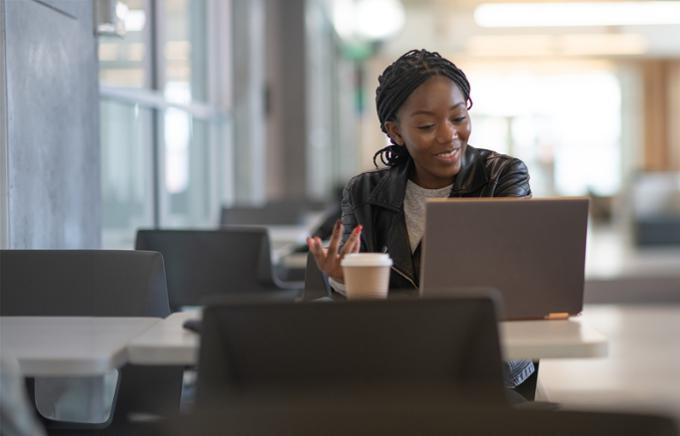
[(367, 275)]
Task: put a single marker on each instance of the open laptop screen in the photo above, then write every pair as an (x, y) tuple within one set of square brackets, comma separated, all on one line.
[(531, 250)]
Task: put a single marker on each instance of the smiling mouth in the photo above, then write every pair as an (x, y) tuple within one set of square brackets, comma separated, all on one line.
[(449, 155)]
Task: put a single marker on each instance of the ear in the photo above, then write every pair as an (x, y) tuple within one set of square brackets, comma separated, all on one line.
[(394, 133)]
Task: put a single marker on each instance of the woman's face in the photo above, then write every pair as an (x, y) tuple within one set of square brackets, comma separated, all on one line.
[(433, 124)]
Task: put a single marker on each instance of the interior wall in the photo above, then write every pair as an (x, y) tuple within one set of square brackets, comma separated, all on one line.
[(4, 191), (52, 181), (291, 95), (248, 24), (274, 108), (662, 106), (674, 115)]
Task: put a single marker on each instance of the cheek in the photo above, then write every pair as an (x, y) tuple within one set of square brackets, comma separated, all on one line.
[(417, 141), (465, 130)]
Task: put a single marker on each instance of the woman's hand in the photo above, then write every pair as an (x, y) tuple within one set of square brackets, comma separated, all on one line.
[(328, 259)]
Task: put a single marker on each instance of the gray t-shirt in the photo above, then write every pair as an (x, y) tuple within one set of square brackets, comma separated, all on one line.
[(414, 209)]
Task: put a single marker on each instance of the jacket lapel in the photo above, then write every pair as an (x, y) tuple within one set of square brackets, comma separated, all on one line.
[(472, 175), (389, 195)]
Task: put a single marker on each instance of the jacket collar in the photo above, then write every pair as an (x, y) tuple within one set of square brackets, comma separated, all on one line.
[(390, 191)]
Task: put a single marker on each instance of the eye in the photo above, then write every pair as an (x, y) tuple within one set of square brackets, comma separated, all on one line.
[(459, 119), (425, 127)]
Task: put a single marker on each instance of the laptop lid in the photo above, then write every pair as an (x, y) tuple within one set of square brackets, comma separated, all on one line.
[(531, 250)]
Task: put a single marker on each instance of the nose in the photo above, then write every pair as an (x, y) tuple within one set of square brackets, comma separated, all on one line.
[(447, 132)]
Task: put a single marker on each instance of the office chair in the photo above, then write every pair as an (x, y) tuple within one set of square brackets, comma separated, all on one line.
[(249, 348), (203, 264), (316, 283), (283, 212), (96, 283), (279, 214), (388, 416)]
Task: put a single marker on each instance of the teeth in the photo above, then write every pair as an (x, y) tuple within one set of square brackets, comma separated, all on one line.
[(447, 153)]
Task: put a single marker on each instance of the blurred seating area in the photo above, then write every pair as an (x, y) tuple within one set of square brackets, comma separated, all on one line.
[(655, 204)]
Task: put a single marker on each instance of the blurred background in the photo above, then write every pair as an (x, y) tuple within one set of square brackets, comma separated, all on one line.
[(207, 103), (119, 115)]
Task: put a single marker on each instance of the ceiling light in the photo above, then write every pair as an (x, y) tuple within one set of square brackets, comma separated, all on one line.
[(628, 13), (372, 20), (557, 45)]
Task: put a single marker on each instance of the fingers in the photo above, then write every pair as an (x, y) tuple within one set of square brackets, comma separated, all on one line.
[(328, 259), (353, 243), (317, 250), (335, 240)]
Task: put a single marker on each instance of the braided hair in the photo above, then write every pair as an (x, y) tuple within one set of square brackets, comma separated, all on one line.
[(398, 81)]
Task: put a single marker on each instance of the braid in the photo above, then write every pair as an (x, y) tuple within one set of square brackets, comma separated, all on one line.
[(398, 81)]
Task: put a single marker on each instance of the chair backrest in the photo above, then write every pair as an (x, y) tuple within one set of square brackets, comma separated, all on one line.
[(316, 284), (268, 214), (249, 347), (362, 416), (82, 283), (206, 263)]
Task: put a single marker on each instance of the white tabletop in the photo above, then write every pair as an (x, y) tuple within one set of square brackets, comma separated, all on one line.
[(69, 346), (169, 343), (550, 339)]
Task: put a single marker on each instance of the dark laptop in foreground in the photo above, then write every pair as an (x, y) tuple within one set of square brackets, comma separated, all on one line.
[(531, 250)]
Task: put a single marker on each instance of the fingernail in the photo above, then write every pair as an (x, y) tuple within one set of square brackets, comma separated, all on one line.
[(337, 223), (358, 229)]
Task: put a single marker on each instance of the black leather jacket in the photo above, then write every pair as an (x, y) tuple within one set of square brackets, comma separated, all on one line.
[(375, 199)]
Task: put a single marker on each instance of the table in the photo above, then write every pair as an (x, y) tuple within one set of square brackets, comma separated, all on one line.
[(641, 371), (169, 343), (554, 339), (69, 346)]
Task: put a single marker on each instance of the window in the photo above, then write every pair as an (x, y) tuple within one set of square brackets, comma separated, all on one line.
[(166, 144)]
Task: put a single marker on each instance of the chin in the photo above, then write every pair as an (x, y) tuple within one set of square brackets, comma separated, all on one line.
[(454, 169)]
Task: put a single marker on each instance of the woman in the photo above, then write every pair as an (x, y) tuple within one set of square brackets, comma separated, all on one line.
[(423, 102)]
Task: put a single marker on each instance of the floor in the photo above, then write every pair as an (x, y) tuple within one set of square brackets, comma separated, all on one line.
[(642, 321), (641, 372)]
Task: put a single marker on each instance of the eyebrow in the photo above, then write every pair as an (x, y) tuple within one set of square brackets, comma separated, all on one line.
[(423, 112)]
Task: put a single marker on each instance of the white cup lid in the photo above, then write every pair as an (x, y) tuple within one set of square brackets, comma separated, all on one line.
[(366, 259)]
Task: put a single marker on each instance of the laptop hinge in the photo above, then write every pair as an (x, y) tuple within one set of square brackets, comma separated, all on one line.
[(557, 315)]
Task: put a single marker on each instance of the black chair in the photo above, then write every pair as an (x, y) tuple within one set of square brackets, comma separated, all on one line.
[(285, 211), (203, 264), (316, 283), (262, 215), (96, 283), (408, 416), (249, 348)]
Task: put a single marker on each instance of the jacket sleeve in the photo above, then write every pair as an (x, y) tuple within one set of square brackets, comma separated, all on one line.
[(349, 220), (513, 181)]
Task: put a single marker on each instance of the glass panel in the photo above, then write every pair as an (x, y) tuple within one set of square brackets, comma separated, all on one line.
[(127, 199), (123, 61), (187, 185), (184, 50)]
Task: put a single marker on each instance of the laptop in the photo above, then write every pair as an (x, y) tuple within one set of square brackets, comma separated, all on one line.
[(531, 250)]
